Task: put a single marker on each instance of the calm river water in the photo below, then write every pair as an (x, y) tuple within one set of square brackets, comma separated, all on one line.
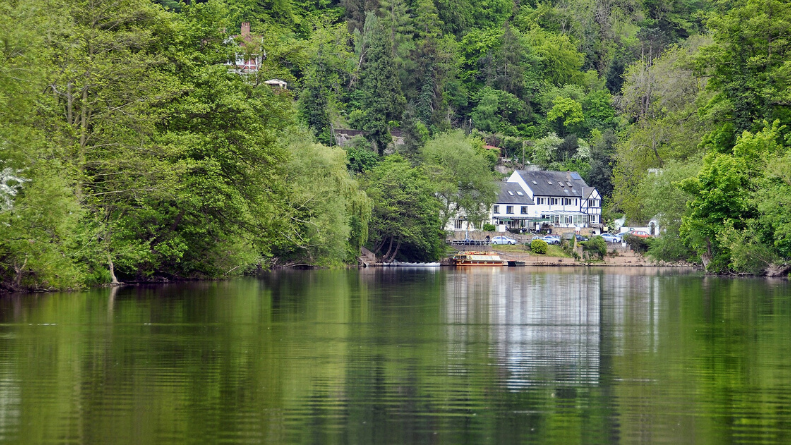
[(484, 356)]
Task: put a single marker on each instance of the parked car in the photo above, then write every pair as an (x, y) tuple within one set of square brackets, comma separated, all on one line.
[(610, 238), (503, 240), (640, 234), (581, 238), (552, 239)]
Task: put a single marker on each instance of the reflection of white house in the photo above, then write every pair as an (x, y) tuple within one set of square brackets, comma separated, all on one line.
[(529, 199), (544, 330)]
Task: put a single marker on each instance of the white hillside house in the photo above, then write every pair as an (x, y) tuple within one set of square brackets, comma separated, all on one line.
[(530, 199), (562, 199)]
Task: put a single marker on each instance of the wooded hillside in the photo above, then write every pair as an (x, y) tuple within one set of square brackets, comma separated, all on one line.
[(130, 149)]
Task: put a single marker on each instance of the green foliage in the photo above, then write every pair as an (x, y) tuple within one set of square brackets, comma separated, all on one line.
[(637, 244), (323, 206), (498, 112), (359, 156), (489, 227), (731, 207), (544, 149), (381, 99), (595, 246), (538, 246), (405, 212), (557, 55), (567, 112), (662, 198), (461, 176), (127, 146), (748, 62)]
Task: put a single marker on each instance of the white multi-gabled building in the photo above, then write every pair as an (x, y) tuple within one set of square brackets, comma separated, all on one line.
[(562, 199), (529, 199)]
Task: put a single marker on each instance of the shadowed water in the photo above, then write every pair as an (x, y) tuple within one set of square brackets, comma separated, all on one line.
[(488, 355)]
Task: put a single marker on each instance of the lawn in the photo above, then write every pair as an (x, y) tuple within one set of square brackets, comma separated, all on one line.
[(552, 250)]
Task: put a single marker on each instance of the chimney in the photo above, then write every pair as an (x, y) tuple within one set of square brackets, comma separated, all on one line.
[(245, 29)]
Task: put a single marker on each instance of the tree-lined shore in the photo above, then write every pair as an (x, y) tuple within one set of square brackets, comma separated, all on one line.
[(130, 150)]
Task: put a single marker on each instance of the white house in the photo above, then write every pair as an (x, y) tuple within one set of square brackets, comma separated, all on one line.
[(250, 55), (512, 209), (529, 199), (561, 199)]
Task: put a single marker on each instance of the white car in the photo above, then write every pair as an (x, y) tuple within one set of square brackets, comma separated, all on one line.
[(503, 240), (610, 238)]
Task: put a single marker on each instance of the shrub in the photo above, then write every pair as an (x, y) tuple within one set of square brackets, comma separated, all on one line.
[(489, 228), (639, 245), (595, 246), (539, 246)]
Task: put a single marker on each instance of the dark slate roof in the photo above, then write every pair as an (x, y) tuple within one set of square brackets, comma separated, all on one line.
[(512, 193), (553, 183), (587, 191)]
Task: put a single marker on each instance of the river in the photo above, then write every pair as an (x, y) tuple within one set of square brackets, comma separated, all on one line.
[(443, 356)]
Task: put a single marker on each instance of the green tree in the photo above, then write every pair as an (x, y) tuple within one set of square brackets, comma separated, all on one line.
[(381, 98), (722, 197), (229, 207), (459, 170), (748, 63), (324, 79), (567, 112), (405, 221), (327, 205), (498, 112)]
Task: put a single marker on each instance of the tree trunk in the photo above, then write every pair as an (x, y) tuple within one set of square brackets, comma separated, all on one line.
[(389, 249), (114, 280), (19, 271), (395, 252)]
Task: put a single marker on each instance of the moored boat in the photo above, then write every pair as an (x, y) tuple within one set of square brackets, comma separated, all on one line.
[(476, 259)]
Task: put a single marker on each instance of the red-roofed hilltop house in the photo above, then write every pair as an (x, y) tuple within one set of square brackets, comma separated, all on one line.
[(250, 54)]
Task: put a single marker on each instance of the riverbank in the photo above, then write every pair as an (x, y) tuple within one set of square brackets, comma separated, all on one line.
[(617, 256), (624, 258)]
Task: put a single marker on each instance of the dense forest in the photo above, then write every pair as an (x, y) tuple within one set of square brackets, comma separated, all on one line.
[(131, 150)]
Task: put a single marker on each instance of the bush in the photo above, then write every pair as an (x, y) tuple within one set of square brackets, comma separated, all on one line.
[(595, 246), (489, 228), (539, 246), (639, 245)]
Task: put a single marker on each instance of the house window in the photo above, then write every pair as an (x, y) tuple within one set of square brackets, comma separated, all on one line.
[(509, 210), (459, 223), (553, 201), (566, 201), (541, 201), (593, 203), (496, 209), (524, 210)]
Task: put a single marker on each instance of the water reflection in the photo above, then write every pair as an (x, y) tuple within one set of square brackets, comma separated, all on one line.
[(542, 329), (487, 355)]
